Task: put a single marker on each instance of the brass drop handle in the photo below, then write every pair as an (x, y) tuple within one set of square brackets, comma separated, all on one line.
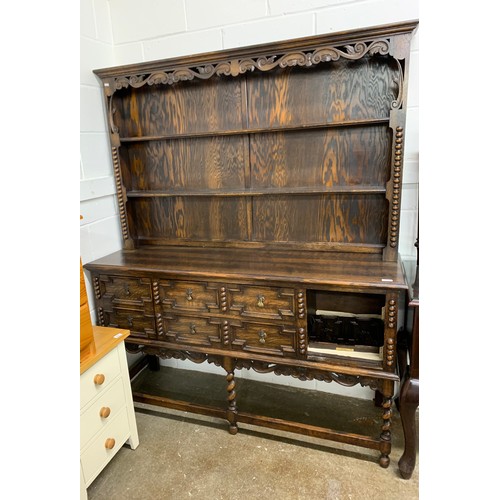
[(260, 300), (130, 320), (104, 412), (262, 336), (109, 444), (192, 328), (127, 290), (99, 379), (189, 294)]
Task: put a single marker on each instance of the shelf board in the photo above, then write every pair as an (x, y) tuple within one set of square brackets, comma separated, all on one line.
[(291, 128), (359, 189)]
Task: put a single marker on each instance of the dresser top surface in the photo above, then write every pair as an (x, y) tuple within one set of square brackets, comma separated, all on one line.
[(105, 339), (310, 268)]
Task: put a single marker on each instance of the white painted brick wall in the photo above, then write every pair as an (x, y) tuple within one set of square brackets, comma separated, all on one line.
[(115, 32), (201, 15), (99, 228), (270, 29)]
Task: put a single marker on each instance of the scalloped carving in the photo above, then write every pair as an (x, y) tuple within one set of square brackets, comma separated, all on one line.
[(303, 373), (236, 67)]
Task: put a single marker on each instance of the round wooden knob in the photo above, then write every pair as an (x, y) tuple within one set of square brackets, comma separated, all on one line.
[(99, 379), (109, 444), (104, 412)]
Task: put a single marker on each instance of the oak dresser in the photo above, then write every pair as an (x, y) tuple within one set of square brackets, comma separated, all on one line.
[(259, 193)]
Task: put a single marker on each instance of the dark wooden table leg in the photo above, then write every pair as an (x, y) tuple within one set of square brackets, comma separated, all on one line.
[(232, 410), (408, 404)]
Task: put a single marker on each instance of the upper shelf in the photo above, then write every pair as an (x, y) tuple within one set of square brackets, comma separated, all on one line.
[(243, 131), (292, 98), (277, 191)]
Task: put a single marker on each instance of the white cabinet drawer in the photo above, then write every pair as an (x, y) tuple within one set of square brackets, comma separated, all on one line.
[(108, 368), (96, 456), (108, 403)]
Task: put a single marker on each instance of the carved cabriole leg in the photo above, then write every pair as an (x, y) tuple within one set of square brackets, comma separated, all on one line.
[(407, 408), (385, 436), (232, 411)]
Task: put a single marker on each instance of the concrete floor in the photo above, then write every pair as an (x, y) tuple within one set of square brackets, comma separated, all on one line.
[(187, 456)]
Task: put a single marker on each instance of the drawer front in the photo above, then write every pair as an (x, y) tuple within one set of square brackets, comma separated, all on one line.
[(102, 411), (125, 302), (126, 290), (97, 456), (262, 302), (192, 330), (99, 377), (265, 339), (188, 297), (140, 323)]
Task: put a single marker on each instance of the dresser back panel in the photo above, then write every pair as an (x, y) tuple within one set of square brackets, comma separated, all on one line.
[(296, 144), (326, 93), (184, 107)]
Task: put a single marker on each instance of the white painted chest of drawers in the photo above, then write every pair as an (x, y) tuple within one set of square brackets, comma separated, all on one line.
[(107, 417)]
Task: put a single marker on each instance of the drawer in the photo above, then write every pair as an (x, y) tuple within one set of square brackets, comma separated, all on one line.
[(125, 290), (265, 339), (97, 456), (102, 411), (192, 330), (105, 370), (262, 302), (188, 297), (140, 323)]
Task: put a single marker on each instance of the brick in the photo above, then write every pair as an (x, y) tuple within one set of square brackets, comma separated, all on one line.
[(97, 188), (133, 21), (97, 209), (103, 21), (363, 14), (413, 89), (95, 155), (93, 55), (289, 6), (183, 44), (268, 30), (201, 14), (87, 20), (91, 110), (128, 53), (105, 237)]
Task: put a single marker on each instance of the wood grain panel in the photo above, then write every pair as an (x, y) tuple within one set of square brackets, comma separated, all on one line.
[(262, 302), (326, 157), (265, 339), (343, 90), (201, 218), (322, 218), (203, 163), (185, 107), (192, 330)]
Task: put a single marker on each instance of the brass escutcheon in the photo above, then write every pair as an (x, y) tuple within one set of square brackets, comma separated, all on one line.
[(260, 300), (192, 328), (189, 294)]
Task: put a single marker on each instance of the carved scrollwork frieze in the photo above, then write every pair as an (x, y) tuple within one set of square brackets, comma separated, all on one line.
[(195, 357), (303, 373), (236, 67)]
